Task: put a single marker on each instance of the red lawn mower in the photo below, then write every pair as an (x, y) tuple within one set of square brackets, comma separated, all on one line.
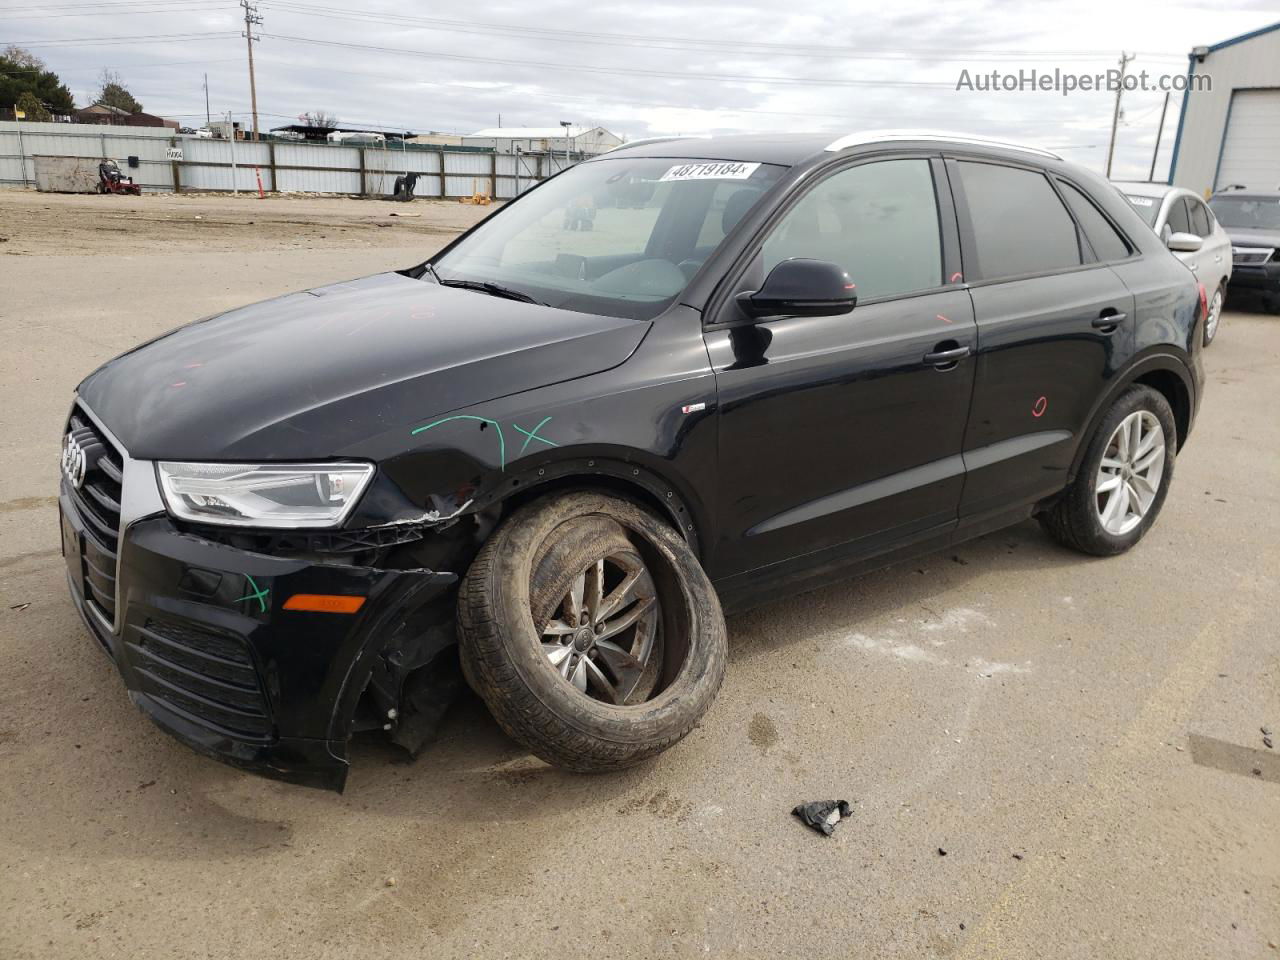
[(111, 180)]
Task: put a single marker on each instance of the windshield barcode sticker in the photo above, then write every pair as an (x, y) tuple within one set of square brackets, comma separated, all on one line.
[(710, 171)]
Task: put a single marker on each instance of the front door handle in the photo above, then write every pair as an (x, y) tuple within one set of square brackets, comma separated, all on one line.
[(946, 359)]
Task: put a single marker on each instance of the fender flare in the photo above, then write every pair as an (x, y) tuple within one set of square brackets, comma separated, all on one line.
[(619, 473), (1158, 358)]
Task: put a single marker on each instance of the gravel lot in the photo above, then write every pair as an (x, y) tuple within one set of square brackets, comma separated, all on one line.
[(1081, 737)]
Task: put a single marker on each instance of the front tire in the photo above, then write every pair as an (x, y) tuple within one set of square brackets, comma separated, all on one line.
[(592, 633), (1123, 479)]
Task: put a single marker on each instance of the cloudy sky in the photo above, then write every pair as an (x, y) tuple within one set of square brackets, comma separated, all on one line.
[(642, 69)]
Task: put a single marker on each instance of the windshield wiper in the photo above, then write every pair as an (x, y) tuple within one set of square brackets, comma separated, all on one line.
[(486, 286)]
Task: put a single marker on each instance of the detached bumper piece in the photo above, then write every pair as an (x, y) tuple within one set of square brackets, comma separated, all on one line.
[(207, 649)]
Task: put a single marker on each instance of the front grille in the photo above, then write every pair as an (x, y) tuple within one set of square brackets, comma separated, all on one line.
[(98, 504), (1250, 256), (203, 673)]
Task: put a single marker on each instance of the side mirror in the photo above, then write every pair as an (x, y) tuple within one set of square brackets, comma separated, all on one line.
[(1184, 242), (801, 288)]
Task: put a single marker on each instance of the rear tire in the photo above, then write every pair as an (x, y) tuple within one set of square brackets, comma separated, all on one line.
[(1121, 485), (1216, 304), (585, 705)]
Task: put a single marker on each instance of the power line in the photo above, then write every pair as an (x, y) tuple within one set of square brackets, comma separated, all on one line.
[(580, 36), (206, 5), (614, 71), (116, 41)]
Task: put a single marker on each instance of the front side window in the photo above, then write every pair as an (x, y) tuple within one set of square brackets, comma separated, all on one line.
[(618, 236), (1177, 221), (1019, 225), (877, 221), (1199, 218)]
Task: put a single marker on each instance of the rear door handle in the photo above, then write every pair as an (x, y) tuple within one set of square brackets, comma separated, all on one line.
[(946, 359), (1108, 322)]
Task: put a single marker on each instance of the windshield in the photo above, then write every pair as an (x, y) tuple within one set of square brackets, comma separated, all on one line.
[(620, 237), (1258, 213), (1147, 207)]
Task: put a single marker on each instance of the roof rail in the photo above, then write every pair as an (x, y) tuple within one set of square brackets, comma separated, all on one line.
[(877, 136), (645, 141)]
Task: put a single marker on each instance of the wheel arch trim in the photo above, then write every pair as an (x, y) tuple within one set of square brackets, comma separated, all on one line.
[(646, 485), (1158, 360)]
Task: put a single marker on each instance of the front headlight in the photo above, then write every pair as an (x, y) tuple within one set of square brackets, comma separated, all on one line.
[(286, 495)]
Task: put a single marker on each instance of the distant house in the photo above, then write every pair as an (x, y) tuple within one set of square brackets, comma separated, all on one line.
[(102, 113), (578, 140)]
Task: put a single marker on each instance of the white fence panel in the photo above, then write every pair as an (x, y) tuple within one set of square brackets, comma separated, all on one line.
[(427, 186), (11, 171), (307, 155), (476, 164), (300, 167), (219, 151), (320, 181)]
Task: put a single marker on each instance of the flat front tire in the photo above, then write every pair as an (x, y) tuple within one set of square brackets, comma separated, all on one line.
[(590, 630), (1123, 479)]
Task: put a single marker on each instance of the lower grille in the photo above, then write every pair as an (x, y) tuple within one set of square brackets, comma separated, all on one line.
[(1250, 256), (97, 501), (204, 674)]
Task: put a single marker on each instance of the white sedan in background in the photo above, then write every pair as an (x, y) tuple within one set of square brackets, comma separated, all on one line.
[(1188, 227)]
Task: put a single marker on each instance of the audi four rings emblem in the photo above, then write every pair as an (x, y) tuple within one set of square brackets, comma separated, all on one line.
[(74, 462)]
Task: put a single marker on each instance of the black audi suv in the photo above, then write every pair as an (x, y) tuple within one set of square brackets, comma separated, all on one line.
[(545, 460)]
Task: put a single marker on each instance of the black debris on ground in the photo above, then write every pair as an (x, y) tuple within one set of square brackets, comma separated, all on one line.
[(823, 815), (942, 852)]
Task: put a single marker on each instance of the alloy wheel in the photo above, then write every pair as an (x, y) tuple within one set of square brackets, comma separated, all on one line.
[(603, 636), (1129, 476), (1215, 312)]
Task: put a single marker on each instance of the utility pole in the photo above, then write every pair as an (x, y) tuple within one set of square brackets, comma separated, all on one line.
[(566, 124), (208, 120), (1115, 114), (250, 19), (1151, 177)]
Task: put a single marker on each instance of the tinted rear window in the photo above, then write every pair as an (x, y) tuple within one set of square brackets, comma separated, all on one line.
[(1102, 236), (1019, 224)]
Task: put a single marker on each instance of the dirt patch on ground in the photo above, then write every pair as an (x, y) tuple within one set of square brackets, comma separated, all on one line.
[(54, 223)]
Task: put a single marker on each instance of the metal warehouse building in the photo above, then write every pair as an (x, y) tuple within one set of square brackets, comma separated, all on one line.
[(581, 141), (1230, 134)]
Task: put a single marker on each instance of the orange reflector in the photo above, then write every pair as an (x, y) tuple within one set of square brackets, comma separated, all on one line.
[(323, 603)]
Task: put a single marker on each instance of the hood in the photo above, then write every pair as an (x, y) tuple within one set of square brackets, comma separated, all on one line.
[(318, 374), (1252, 237)]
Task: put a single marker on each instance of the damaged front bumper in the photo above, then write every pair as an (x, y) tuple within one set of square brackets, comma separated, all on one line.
[(203, 638)]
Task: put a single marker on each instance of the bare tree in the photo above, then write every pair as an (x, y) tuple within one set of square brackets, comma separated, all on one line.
[(111, 91), (22, 57), (318, 118)]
